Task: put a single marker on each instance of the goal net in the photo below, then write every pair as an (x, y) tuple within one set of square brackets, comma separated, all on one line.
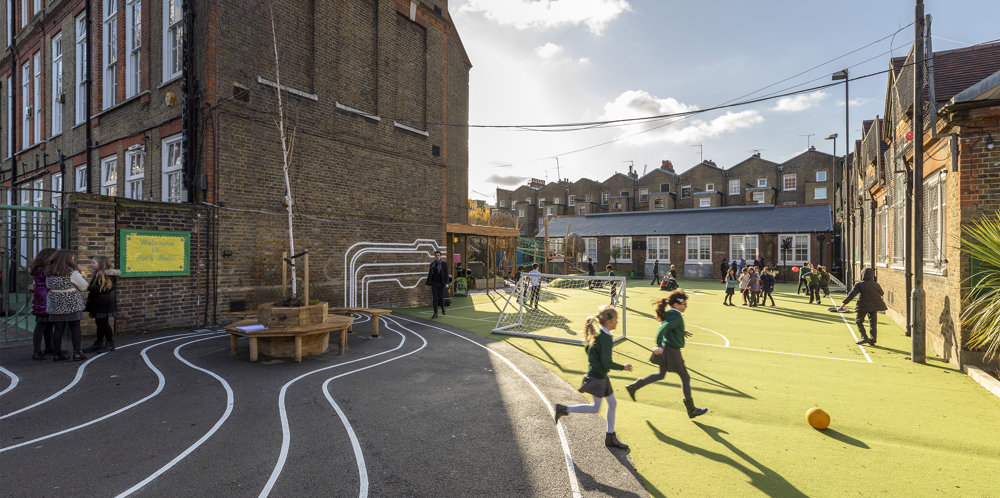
[(556, 307)]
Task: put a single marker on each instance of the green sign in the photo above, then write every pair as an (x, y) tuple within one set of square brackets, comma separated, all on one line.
[(146, 253)]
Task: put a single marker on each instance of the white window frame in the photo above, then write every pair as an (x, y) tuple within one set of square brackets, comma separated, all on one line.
[(583, 209), (173, 39), (11, 95), (590, 245), (502, 203), (740, 247), (26, 111), (133, 44), (38, 7), (761, 182), (664, 188), (882, 235), (109, 53), (604, 198), (556, 199), (549, 211), (698, 243), (821, 176), (796, 250), (57, 84), (24, 13), (38, 192), (709, 187), (705, 202), (734, 183), (56, 202), (626, 244), (572, 200), (81, 69), (541, 202), (685, 191), (761, 196), (589, 198), (643, 194), (81, 178), (25, 224), (520, 213), (816, 193), (36, 62), (658, 249), (109, 175), (658, 203), (134, 181), (173, 169), (934, 212), (793, 180)]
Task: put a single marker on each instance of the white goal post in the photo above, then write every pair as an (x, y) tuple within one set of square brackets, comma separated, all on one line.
[(555, 307)]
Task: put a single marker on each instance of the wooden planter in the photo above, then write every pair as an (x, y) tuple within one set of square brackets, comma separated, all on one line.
[(291, 316)]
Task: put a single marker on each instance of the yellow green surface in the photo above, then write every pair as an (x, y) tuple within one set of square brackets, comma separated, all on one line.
[(898, 428)]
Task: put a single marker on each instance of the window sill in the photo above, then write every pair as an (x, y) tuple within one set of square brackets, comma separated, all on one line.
[(697, 262), (351, 110), (881, 265), (622, 260), (171, 80), (941, 272), (56, 135), (121, 104), (410, 129), (293, 91)]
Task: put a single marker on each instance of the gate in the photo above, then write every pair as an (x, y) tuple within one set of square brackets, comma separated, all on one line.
[(26, 230)]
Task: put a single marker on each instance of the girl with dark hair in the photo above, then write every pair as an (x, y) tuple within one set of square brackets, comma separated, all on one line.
[(43, 328), (870, 302), (598, 347), (669, 342), (744, 284), (731, 283), (753, 284), (102, 302), (64, 303), (766, 286)]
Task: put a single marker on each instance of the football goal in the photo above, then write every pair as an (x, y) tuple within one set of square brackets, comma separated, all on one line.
[(556, 307)]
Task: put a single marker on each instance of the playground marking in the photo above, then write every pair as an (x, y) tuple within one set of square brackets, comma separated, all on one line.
[(760, 350), (714, 332), (13, 380), (849, 329)]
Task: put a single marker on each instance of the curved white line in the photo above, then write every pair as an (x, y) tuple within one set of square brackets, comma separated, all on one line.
[(159, 387), (724, 338), (360, 318), (350, 298), (570, 466), (365, 282), (355, 444), (13, 380), (286, 435), (218, 424), (849, 329), (356, 271), (79, 372)]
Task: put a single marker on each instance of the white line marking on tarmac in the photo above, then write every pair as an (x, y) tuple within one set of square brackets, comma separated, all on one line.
[(79, 373), (849, 329), (570, 466), (13, 380), (358, 455), (218, 424), (760, 350), (286, 435), (159, 387)]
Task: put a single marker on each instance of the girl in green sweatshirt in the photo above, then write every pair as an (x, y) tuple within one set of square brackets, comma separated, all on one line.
[(598, 347)]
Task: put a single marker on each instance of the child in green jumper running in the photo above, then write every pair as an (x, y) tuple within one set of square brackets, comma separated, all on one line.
[(598, 346)]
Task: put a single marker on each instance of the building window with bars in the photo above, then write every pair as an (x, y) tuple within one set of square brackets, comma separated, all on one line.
[(899, 220), (882, 232), (934, 215)]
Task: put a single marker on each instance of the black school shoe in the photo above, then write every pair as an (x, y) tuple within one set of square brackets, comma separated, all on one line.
[(37, 356), (78, 356)]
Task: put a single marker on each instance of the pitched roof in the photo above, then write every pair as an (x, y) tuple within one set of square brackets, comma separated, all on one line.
[(958, 69), (703, 221)]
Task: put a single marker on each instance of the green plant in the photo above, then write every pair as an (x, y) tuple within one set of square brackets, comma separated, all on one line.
[(616, 252), (981, 241)]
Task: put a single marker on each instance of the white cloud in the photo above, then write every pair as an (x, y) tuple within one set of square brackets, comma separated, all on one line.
[(639, 103), (856, 102), (548, 50), (544, 14), (799, 103), (583, 61)]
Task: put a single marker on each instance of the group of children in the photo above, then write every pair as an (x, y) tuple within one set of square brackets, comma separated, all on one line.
[(57, 303), (815, 279), (755, 286)]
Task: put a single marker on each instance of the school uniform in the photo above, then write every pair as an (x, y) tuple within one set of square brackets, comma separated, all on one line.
[(670, 337), (599, 361)]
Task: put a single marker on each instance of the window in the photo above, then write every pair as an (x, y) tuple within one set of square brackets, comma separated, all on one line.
[(503, 203), (109, 176), (705, 202), (591, 244), (173, 165), (618, 205), (10, 116), (604, 198), (556, 246), (38, 193), (734, 187), (658, 248), (81, 69), (699, 249), (555, 200), (820, 176), (664, 187), (57, 84), (798, 251), (36, 103), (658, 203), (133, 42), (134, 174), (899, 237), (709, 187), (24, 12), (81, 178), (789, 182), (520, 213), (882, 234), (758, 197), (819, 193), (26, 111), (173, 36), (934, 232), (625, 243), (109, 54), (38, 6), (583, 209), (25, 224), (623, 193), (38, 219), (527, 199), (541, 201), (643, 194), (572, 200), (742, 247), (685, 191), (589, 198), (762, 182), (57, 185), (548, 211)]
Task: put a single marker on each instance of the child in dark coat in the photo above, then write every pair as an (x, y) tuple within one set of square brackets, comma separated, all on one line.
[(870, 302), (39, 292), (102, 302), (766, 286)]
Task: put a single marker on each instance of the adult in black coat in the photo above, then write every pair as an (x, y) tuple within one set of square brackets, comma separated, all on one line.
[(870, 302), (437, 279), (590, 272)]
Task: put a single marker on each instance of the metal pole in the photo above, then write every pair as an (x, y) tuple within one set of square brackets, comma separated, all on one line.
[(917, 296)]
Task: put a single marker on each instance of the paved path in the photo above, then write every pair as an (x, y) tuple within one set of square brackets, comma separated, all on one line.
[(426, 410)]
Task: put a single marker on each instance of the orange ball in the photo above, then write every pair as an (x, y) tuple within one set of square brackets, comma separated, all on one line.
[(795, 269), (817, 418)]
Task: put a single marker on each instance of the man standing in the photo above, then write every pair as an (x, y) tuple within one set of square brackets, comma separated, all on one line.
[(437, 278), (656, 272), (590, 272), (536, 285)]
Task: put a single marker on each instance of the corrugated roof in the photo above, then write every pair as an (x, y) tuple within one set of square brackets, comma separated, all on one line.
[(703, 221)]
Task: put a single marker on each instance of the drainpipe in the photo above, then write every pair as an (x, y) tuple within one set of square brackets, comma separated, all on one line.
[(189, 104), (89, 103)]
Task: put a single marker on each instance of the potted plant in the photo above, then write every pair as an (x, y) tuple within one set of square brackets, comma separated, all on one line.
[(981, 313)]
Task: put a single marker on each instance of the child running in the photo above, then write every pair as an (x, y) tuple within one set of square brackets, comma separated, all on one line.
[(598, 347), (730, 288), (669, 342)]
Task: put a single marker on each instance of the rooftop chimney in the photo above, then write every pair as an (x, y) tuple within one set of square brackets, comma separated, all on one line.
[(669, 166), (757, 155), (812, 147)]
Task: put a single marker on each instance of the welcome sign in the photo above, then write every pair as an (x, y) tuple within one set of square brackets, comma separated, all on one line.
[(146, 253)]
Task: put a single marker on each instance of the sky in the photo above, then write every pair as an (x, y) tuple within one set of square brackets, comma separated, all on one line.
[(538, 62)]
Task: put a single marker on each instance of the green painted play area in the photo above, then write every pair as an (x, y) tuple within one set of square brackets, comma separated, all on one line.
[(898, 428)]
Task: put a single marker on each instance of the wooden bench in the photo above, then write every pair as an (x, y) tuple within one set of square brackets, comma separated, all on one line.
[(296, 333), (373, 312)]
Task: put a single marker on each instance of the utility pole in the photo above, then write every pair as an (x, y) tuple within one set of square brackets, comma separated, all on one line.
[(917, 320), (846, 189), (545, 244)]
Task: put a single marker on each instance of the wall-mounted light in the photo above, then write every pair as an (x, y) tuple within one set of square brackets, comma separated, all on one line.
[(989, 141)]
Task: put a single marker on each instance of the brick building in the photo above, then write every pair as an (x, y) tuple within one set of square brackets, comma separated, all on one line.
[(961, 183), (103, 97)]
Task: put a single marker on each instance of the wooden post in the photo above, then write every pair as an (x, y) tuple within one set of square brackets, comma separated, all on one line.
[(545, 244), (305, 291), (465, 258), (284, 273)]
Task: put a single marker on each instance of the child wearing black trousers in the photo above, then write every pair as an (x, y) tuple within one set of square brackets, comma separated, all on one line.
[(870, 302), (598, 346), (731, 284), (43, 328), (102, 302), (64, 302), (766, 286), (669, 342)]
